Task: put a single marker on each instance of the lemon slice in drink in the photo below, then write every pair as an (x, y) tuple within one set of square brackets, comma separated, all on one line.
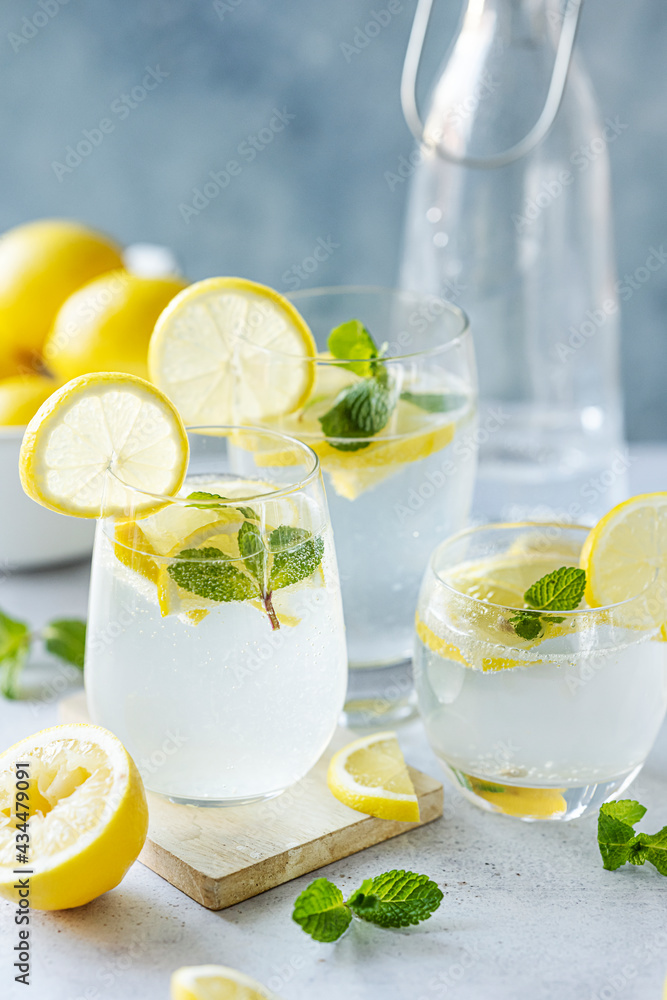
[(625, 555), (87, 809), (209, 354), (95, 431), (216, 982), (370, 775), (410, 436)]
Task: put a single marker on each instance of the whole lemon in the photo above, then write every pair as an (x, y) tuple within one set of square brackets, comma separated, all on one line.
[(41, 264), (21, 396), (107, 325)]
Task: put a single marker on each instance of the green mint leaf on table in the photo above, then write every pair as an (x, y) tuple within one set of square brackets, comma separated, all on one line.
[(656, 849), (321, 912), (626, 810), (433, 402), (618, 842), (15, 639), (561, 590), (352, 340), (615, 836), (66, 639), (394, 899)]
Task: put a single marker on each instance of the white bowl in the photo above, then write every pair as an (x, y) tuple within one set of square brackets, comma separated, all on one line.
[(30, 535)]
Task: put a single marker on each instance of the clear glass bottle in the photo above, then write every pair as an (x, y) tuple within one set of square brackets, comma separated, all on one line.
[(523, 243)]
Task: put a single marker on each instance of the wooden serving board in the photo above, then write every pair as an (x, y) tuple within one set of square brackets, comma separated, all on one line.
[(219, 857)]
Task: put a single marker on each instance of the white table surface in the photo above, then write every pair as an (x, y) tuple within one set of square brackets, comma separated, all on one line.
[(528, 913)]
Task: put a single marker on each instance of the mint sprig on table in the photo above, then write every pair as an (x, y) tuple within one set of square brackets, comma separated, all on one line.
[(62, 637), (288, 556), (561, 590), (620, 845), (394, 899)]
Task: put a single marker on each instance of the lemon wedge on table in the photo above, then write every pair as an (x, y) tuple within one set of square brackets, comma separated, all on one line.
[(625, 555), (88, 816), (94, 429), (216, 982), (370, 775), (209, 354)]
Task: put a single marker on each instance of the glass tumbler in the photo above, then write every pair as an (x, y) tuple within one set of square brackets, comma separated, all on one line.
[(393, 493), (216, 644), (533, 714)]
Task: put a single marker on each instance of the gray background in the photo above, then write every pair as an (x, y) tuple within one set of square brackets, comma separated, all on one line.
[(322, 177)]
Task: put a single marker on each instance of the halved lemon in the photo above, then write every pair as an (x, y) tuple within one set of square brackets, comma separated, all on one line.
[(625, 555), (216, 982), (96, 431), (370, 775), (232, 351), (87, 811)]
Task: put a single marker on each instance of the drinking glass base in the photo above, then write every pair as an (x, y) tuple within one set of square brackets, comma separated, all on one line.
[(378, 697), (537, 803), (215, 803)]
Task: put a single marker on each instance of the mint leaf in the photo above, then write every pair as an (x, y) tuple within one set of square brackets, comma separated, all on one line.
[(207, 501), (656, 849), (626, 810), (321, 912), (338, 426), (360, 410), (66, 639), (209, 573), (296, 555), (616, 836), (434, 402), (15, 639), (396, 899), (527, 625), (352, 340), (561, 590), (253, 551)]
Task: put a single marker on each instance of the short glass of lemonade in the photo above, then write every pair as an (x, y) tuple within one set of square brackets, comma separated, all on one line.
[(216, 645), (392, 493), (537, 715)]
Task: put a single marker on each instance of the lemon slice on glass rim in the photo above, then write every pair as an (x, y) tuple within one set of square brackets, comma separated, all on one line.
[(97, 433), (625, 557), (210, 353)]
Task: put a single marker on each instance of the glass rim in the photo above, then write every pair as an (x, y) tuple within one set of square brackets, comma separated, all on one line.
[(228, 430), (293, 298), (504, 525)]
